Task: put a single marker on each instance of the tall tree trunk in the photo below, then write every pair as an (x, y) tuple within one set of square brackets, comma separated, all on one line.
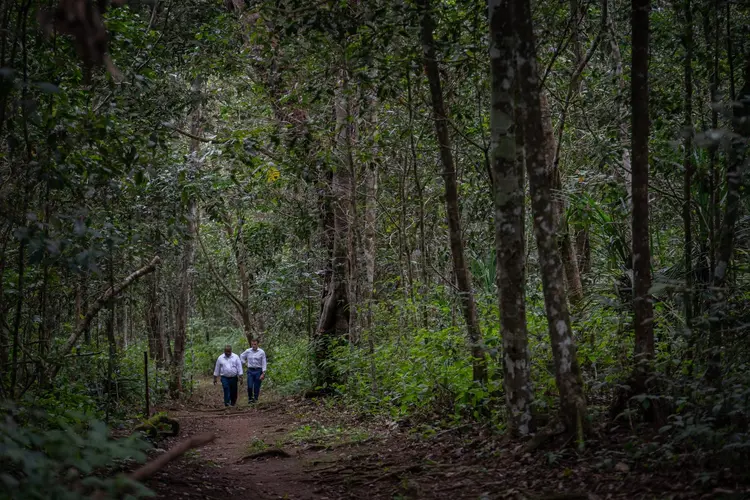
[(508, 191), (567, 370), (333, 323), (188, 251), (687, 187), (463, 278), (642, 305), (370, 234)]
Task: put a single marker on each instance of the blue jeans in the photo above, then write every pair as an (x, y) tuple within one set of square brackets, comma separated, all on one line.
[(253, 384), (229, 384)]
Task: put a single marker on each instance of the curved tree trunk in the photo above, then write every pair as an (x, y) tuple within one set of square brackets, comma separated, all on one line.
[(463, 278)]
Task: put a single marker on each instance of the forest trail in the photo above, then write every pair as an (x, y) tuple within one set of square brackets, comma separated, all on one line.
[(331, 453), (298, 452), (218, 470)]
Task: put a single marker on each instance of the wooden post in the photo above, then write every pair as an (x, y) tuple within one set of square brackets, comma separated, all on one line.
[(145, 377)]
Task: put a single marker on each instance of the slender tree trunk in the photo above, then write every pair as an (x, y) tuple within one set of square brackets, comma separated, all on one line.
[(687, 187), (642, 305), (463, 278), (508, 191), (4, 309), (565, 242), (188, 252), (567, 370), (370, 234)]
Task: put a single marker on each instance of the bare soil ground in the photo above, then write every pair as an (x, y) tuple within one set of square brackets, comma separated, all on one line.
[(287, 448)]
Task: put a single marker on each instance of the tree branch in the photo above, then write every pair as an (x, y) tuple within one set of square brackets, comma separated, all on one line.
[(214, 140), (97, 306), (235, 300)]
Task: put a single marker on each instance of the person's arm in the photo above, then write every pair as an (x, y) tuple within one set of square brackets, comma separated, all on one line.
[(264, 365), (239, 365), (217, 369), (243, 356)]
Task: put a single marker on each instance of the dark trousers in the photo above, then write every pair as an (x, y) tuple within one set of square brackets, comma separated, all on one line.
[(229, 384), (253, 383)]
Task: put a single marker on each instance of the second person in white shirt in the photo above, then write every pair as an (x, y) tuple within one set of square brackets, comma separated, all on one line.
[(255, 360)]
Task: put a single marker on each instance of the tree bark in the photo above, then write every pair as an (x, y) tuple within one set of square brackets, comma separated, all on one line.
[(567, 370), (188, 251), (463, 278), (642, 305), (508, 195), (333, 323)]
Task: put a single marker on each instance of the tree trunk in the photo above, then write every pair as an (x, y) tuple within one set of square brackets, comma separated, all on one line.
[(567, 371), (333, 323), (508, 191), (565, 242), (687, 187), (642, 305), (188, 251), (371, 196), (463, 278)]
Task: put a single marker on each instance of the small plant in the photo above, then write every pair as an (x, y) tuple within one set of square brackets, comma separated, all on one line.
[(256, 446)]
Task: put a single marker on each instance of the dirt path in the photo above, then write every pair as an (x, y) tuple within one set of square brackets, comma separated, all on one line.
[(329, 453), (297, 452), (220, 465)]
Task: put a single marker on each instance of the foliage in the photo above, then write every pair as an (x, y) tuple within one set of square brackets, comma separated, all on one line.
[(63, 457)]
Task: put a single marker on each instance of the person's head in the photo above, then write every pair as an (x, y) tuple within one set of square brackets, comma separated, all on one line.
[(227, 350), (254, 344)]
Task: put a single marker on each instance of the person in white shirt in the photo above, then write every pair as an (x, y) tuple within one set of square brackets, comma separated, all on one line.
[(255, 358), (229, 368)]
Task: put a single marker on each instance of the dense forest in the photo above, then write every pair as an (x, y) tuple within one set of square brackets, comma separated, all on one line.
[(524, 216)]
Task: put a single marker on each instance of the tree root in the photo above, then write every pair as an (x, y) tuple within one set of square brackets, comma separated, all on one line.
[(554, 428), (271, 452)]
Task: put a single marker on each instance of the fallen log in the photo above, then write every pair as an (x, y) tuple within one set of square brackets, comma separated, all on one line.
[(152, 467)]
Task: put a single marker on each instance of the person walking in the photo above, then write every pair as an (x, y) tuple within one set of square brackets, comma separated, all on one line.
[(255, 358), (229, 368)]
